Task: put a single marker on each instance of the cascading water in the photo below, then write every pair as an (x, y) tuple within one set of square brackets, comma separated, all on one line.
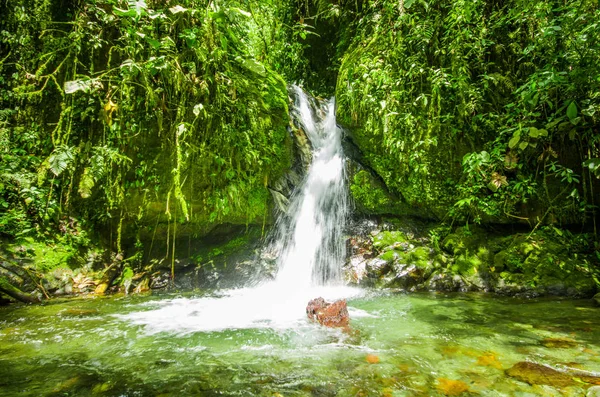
[(309, 243)]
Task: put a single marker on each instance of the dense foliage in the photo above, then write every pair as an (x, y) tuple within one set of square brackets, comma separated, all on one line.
[(117, 111), (480, 110)]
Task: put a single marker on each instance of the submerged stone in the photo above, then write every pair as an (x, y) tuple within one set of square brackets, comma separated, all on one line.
[(538, 374), (489, 360), (451, 387), (560, 343), (372, 359)]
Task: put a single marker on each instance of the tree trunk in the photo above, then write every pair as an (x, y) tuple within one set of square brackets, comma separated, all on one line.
[(12, 291)]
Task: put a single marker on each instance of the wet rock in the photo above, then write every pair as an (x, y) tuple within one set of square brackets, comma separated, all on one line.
[(356, 269), (538, 374), (408, 277), (160, 280), (596, 299), (377, 267), (328, 314), (445, 281)]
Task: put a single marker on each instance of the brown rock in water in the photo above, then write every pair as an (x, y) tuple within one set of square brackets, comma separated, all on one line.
[(538, 374), (328, 314), (451, 387), (558, 343), (314, 306)]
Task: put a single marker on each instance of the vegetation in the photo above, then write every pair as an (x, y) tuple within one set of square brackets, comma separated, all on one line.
[(124, 123), (480, 111)]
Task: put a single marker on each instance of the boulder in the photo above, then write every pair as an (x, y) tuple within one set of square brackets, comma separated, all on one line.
[(328, 314)]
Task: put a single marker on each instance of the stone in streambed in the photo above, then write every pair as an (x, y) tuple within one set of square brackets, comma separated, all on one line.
[(328, 314), (538, 374)]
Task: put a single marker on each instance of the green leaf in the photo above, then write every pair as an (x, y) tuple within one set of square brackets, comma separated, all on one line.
[(514, 141), (593, 165), (543, 132), (572, 110), (252, 65), (534, 132), (523, 145), (153, 42), (86, 183)]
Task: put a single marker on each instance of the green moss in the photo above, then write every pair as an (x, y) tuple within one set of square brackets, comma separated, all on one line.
[(388, 239), (392, 256), (369, 195), (46, 257), (420, 256), (466, 264)]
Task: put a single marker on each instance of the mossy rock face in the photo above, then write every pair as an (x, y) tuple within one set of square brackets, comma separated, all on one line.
[(406, 264), (473, 259), (388, 240), (371, 197)]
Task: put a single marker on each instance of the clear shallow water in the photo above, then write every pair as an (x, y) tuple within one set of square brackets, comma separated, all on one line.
[(400, 345)]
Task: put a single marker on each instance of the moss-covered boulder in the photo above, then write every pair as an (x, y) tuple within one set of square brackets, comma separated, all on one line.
[(476, 259)]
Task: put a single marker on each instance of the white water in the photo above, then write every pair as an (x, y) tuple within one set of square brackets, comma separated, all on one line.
[(309, 242)]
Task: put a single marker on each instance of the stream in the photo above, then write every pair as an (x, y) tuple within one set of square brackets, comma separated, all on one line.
[(399, 345)]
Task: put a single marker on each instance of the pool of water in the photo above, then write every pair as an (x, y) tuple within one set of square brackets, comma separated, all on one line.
[(398, 345)]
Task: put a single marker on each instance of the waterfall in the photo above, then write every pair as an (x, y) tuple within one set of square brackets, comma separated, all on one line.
[(310, 241)]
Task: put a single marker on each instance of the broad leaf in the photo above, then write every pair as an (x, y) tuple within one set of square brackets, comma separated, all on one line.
[(572, 111), (593, 165), (534, 132), (514, 141)]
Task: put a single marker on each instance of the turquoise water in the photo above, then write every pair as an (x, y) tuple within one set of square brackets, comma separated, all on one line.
[(399, 345)]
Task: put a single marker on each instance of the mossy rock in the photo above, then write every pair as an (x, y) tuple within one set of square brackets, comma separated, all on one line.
[(388, 239), (393, 255), (371, 196), (421, 257)]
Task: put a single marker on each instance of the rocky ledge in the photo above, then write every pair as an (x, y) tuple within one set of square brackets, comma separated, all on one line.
[(416, 257)]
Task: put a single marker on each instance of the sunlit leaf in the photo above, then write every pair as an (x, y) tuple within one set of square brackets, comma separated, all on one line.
[(533, 132), (514, 142), (572, 110)]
